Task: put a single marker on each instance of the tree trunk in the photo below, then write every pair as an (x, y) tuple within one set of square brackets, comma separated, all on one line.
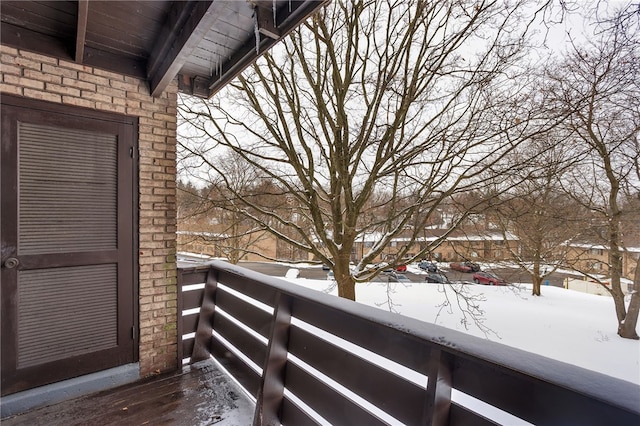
[(347, 288), (346, 283), (627, 327), (615, 260), (615, 269), (537, 281), (535, 277)]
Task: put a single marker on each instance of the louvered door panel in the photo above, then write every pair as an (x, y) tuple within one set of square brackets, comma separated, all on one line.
[(68, 190), (66, 312), (68, 224)]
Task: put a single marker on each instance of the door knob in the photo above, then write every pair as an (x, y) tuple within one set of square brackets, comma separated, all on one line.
[(11, 263)]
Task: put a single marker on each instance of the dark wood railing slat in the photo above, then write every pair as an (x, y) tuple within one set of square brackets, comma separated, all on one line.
[(250, 315), (388, 342), (461, 416), (291, 415), (187, 346), (471, 376), (252, 288), (326, 401), (245, 375), (530, 398), (255, 350), (190, 323), (369, 381), (194, 276), (192, 299)]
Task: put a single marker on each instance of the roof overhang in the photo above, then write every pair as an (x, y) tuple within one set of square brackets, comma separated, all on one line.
[(203, 43)]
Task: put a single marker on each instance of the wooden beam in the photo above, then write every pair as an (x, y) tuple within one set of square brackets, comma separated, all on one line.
[(134, 67), (81, 32), (193, 85), (287, 20), (266, 23), (186, 26), (24, 38)]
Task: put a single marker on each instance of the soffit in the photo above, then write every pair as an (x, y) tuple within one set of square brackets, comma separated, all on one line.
[(204, 43)]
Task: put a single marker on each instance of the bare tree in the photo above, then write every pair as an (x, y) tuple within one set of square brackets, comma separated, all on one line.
[(599, 85), (413, 100), (214, 216), (529, 203)]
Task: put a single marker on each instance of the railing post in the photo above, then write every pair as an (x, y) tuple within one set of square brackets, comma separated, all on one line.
[(179, 319), (202, 341), (438, 402), (271, 392)]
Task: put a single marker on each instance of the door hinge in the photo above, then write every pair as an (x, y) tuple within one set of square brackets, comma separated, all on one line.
[(133, 332), (131, 152)]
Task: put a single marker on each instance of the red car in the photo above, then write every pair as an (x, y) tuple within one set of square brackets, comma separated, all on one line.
[(488, 278), (464, 266), (388, 269)]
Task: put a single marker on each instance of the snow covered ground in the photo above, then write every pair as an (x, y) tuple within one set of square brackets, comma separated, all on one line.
[(566, 325)]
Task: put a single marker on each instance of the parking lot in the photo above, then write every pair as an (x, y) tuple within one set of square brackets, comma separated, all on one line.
[(316, 272)]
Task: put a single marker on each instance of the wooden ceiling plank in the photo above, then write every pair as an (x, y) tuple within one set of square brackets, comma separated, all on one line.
[(50, 18), (81, 37), (131, 28), (189, 24)]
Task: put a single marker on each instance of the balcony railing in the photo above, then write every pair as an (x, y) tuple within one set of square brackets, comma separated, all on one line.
[(312, 358)]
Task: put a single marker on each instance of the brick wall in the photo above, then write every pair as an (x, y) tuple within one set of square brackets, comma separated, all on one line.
[(41, 77)]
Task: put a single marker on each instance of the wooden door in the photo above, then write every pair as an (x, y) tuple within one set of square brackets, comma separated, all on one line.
[(67, 230)]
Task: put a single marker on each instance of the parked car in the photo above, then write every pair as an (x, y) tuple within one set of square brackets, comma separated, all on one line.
[(459, 266), (428, 266), (488, 278), (474, 266), (437, 277), (325, 267), (465, 266), (387, 269)]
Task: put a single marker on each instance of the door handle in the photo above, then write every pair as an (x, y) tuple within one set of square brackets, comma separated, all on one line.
[(11, 263)]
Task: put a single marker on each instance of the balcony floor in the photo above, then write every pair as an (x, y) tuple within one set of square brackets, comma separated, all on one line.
[(201, 394)]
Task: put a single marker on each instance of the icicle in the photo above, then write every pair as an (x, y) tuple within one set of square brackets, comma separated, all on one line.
[(274, 7), (256, 30), (289, 6)]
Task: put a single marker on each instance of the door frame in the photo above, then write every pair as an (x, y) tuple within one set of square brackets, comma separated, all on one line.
[(130, 234)]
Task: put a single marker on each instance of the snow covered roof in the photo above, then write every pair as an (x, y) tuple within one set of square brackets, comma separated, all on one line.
[(454, 236), (202, 234), (588, 246)]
